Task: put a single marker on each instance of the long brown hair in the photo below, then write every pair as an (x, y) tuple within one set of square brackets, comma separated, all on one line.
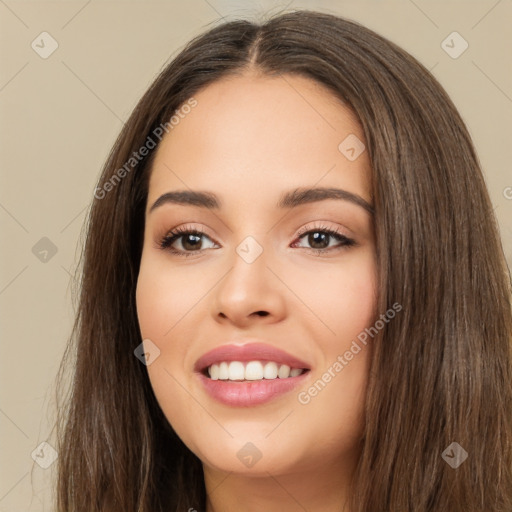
[(441, 372)]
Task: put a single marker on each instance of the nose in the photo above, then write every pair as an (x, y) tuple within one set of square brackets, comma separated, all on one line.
[(249, 293)]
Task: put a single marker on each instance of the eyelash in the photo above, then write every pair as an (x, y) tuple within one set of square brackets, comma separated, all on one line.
[(173, 235)]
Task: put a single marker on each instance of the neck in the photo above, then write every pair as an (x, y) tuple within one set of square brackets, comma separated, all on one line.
[(323, 488)]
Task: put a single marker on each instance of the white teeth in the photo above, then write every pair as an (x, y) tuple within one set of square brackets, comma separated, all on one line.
[(295, 372), (223, 371), (270, 371), (284, 371), (214, 371), (236, 370), (252, 370)]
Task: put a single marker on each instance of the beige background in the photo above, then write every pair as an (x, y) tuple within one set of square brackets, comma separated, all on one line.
[(59, 118)]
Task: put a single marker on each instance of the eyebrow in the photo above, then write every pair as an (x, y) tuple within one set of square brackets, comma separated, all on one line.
[(291, 199)]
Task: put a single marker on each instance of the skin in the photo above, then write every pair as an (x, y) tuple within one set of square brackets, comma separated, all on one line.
[(248, 140)]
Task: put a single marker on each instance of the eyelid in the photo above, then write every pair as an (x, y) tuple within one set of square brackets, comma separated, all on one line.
[(321, 225)]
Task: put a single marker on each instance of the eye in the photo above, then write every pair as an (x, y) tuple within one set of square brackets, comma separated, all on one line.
[(185, 241), (319, 239)]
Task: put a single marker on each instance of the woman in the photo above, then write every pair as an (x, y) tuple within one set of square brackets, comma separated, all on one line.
[(341, 338)]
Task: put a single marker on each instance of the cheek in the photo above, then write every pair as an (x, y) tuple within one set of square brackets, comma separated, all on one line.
[(162, 308), (342, 296), (333, 402), (165, 296), (353, 303), (155, 304)]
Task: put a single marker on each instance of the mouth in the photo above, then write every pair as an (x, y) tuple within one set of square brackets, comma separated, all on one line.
[(239, 371), (250, 374)]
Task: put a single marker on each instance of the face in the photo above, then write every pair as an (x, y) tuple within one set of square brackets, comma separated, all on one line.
[(254, 279)]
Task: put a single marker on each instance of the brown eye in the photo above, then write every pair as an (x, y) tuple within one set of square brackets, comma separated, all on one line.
[(320, 239), (191, 242), (185, 241)]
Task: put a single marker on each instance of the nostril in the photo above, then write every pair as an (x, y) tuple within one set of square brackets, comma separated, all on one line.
[(262, 313)]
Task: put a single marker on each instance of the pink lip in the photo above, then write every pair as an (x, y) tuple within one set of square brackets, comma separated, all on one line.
[(248, 352), (249, 393)]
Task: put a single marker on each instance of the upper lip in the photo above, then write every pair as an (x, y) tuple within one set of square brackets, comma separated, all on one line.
[(248, 352)]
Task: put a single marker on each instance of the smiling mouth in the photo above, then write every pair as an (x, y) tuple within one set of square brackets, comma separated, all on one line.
[(250, 371)]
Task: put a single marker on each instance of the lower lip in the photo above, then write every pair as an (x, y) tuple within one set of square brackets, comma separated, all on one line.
[(250, 393)]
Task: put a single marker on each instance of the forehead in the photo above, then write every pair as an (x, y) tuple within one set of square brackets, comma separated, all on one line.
[(250, 134)]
